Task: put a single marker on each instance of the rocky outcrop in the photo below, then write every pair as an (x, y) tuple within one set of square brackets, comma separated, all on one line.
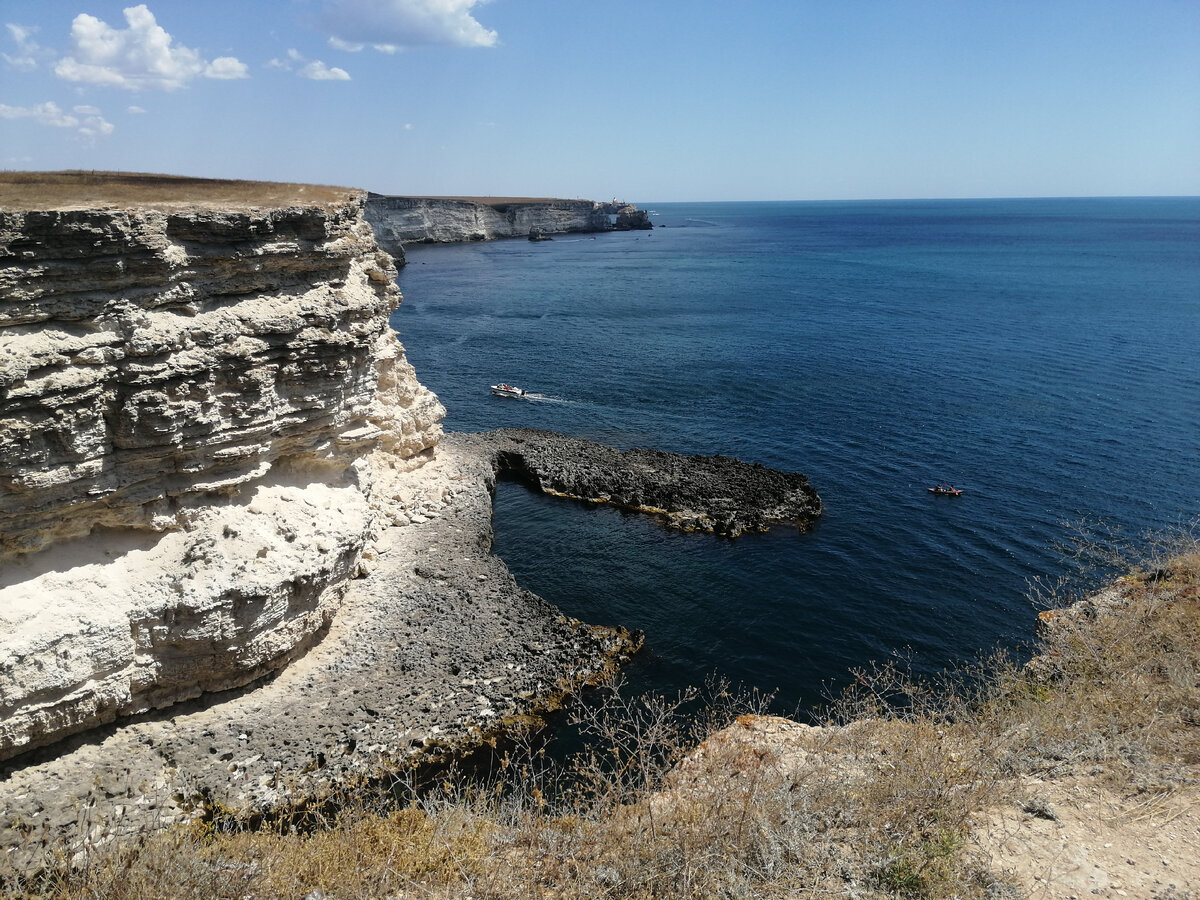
[(630, 218), (210, 443), (434, 650), (714, 494), (194, 405), (446, 220)]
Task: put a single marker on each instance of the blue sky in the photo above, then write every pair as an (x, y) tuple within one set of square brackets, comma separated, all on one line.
[(651, 100)]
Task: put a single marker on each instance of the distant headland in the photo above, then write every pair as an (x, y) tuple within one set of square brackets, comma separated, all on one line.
[(450, 220)]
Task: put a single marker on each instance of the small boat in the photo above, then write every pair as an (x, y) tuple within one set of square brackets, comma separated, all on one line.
[(945, 490), (507, 390)]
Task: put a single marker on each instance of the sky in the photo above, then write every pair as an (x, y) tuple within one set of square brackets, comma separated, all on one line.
[(651, 100)]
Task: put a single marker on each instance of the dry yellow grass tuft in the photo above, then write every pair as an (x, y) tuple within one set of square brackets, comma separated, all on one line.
[(86, 190)]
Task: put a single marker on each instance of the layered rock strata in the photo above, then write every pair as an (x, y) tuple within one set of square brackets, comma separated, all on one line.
[(446, 220), (210, 443), (715, 494), (434, 649), (191, 400)]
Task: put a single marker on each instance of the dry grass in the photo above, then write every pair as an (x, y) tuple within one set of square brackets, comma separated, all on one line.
[(879, 802), (78, 189)]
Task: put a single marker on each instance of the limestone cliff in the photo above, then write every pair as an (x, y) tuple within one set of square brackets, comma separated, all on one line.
[(195, 402), (441, 220)]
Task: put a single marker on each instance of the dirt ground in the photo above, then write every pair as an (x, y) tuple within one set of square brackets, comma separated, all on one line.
[(1077, 839)]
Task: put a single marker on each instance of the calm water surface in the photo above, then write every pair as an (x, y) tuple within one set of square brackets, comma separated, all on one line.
[(1040, 354)]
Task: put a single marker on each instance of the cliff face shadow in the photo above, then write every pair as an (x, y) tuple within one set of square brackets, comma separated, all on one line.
[(99, 548), (95, 736)]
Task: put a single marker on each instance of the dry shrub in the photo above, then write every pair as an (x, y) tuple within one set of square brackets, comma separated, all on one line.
[(1115, 689)]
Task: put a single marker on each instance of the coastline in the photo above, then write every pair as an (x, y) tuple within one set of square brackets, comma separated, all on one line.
[(398, 220), (435, 651)]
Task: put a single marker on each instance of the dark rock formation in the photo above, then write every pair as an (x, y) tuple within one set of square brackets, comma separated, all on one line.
[(716, 494), (630, 218)]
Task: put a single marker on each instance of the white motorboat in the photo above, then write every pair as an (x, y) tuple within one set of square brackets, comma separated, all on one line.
[(507, 390)]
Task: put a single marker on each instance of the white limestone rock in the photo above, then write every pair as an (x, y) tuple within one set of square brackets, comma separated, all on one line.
[(404, 220), (190, 403)]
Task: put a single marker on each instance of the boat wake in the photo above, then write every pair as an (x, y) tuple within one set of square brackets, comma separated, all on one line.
[(546, 398)]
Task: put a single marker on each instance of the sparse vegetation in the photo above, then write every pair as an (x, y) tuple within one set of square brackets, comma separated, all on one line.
[(80, 189), (879, 801)]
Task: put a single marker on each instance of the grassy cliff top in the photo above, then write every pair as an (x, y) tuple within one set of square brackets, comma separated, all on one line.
[(79, 189)]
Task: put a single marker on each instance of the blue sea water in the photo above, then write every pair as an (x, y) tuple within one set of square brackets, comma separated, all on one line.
[(1043, 355)]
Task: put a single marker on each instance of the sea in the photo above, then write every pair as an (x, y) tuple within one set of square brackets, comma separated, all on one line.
[(1043, 355)]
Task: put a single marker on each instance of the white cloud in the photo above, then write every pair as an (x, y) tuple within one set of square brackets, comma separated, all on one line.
[(352, 47), (135, 110), (227, 68), (49, 114), (318, 71), (294, 58), (141, 57), (388, 24), (314, 69), (28, 51), (95, 125), (44, 114)]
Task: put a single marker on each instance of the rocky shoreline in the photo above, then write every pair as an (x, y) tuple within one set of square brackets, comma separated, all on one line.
[(398, 221), (241, 569), (713, 494), (434, 650)]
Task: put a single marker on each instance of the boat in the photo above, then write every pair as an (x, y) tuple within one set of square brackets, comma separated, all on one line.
[(507, 390), (945, 490)]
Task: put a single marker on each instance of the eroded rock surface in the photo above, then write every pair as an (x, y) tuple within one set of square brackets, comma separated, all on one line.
[(190, 399), (715, 494), (435, 647), (630, 218), (432, 220)]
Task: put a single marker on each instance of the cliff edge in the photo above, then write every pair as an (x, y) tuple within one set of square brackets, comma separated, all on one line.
[(447, 220), (198, 391)]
